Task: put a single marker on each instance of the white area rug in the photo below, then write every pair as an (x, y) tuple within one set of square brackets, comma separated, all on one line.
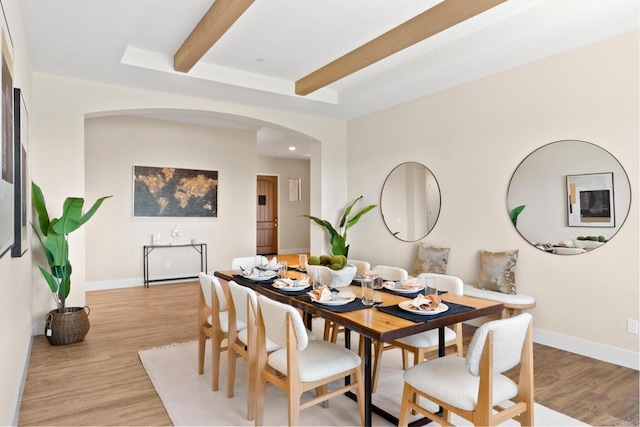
[(189, 400)]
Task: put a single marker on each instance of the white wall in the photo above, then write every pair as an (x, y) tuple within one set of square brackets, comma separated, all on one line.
[(472, 138), (114, 238), (293, 228), (15, 273)]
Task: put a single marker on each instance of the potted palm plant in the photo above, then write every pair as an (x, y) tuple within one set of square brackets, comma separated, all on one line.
[(64, 325), (338, 239)]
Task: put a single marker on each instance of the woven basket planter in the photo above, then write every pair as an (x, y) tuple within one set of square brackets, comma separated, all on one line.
[(68, 327)]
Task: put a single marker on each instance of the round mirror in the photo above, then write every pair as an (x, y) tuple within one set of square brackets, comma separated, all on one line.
[(410, 201), (569, 197)]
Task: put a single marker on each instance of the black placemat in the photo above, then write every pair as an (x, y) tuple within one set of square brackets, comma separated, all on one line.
[(354, 305), (395, 310), (257, 282)]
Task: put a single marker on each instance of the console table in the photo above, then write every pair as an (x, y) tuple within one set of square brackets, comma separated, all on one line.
[(201, 248)]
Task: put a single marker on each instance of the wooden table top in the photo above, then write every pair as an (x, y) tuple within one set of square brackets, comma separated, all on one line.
[(371, 322)]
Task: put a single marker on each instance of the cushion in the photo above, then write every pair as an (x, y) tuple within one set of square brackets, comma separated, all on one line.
[(498, 271), (431, 260)]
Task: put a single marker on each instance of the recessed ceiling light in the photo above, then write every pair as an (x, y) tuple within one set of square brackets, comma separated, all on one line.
[(260, 59), (292, 148)]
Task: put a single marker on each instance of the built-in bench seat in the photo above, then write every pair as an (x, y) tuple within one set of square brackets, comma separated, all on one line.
[(513, 303)]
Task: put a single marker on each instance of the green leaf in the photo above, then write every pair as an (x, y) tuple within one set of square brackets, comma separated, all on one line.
[(57, 244), (326, 224), (41, 208), (353, 221), (338, 245), (515, 212), (51, 281), (72, 217), (348, 211)]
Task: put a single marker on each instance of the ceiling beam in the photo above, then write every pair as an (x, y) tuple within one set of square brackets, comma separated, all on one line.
[(432, 21), (218, 19)]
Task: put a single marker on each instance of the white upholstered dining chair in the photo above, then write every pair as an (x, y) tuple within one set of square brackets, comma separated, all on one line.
[(300, 364), (243, 340), (248, 262), (213, 324), (474, 387), (391, 273)]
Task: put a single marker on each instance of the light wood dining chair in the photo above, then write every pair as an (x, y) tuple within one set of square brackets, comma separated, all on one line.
[(213, 324), (300, 365), (473, 387), (242, 340)]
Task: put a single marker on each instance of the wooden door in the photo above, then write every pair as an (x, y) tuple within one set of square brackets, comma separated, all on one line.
[(267, 215)]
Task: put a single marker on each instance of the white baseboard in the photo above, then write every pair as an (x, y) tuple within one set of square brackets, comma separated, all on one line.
[(125, 283), (16, 405), (606, 353), (294, 251)]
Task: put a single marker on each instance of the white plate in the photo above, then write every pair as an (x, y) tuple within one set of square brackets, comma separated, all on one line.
[(290, 288), (266, 275), (340, 301), (403, 290), (405, 305)]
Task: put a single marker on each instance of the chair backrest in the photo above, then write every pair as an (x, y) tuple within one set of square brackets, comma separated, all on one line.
[(248, 262), (392, 273), (508, 339), (240, 294), (443, 282), (360, 265), (274, 317), (206, 283)]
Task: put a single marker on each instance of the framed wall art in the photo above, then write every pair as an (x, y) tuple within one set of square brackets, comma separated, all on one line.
[(174, 192), (21, 187), (295, 190), (590, 200), (6, 147)]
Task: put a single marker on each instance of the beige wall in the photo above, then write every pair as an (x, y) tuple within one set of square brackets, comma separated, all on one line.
[(15, 273), (58, 131), (113, 145), (472, 138), (293, 229)]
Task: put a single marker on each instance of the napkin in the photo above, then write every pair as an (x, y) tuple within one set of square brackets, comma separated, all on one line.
[(289, 283), (411, 284), (426, 303), (321, 294), (273, 264)]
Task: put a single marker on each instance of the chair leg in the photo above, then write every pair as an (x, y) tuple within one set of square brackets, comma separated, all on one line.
[(378, 348), (322, 390), (407, 395), (216, 342), (231, 371), (405, 360), (327, 330), (202, 343), (261, 388), (293, 404), (357, 375)]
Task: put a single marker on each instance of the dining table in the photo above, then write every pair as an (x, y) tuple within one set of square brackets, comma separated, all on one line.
[(384, 322)]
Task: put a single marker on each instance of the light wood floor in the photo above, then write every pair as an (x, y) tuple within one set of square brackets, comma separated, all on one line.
[(101, 381)]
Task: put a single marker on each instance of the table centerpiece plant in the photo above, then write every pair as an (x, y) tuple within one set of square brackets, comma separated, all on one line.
[(338, 239), (53, 234)]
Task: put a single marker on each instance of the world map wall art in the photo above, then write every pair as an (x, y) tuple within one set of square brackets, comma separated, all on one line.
[(173, 192)]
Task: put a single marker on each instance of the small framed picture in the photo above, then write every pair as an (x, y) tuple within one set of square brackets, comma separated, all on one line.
[(590, 200)]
